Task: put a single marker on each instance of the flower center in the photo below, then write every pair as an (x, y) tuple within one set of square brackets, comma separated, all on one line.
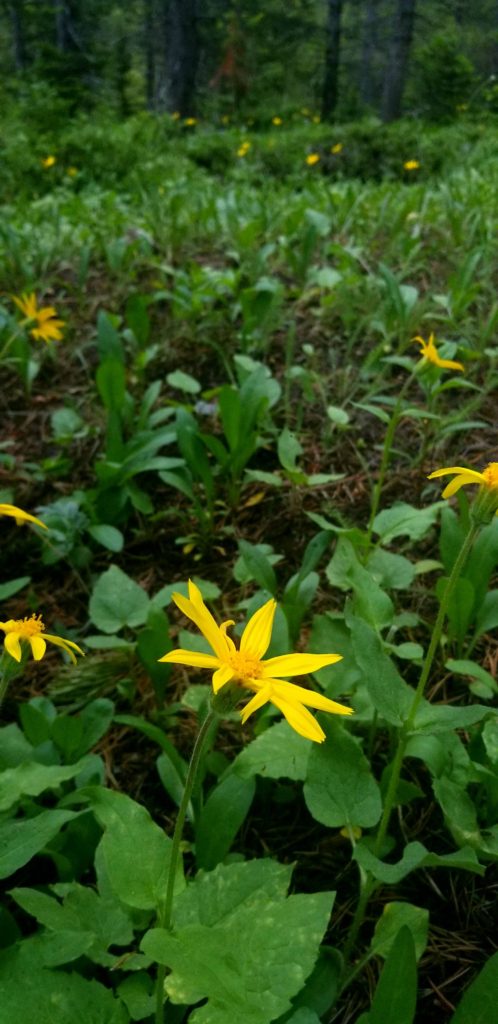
[(244, 666), (25, 627), (490, 475)]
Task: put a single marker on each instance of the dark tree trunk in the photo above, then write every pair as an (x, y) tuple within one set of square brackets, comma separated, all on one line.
[(332, 55), (183, 53), (368, 87), (16, 12), (397, 66), (65, 32), (150, 53)]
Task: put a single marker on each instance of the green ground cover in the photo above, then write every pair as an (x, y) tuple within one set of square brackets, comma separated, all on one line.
[(237, 399)]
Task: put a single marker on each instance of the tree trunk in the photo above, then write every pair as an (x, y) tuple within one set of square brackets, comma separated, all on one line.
[(65, 33), (369, 87), (16, 12), (397, 67), (183, 51), (150, 53), (332, 55)]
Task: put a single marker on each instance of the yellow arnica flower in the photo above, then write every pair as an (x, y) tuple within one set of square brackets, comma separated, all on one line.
[(19, 515), (429, 351), (48, 161), (276, 120), (246, 667), (243, 149), (312, 159), (338, 148), (488, 479), (411, 165), (48, 326), (190, 121), (33, 630)]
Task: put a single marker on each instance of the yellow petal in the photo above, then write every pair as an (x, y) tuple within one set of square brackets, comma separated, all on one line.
[(12, 646), (454, 486), (38, 647), (67, 645), (312, 699), (221, 677), (473, 476), (195, 659), (256, 702), (300, 719), (297, 664), (198, 613), (257, 634), (17, 513)]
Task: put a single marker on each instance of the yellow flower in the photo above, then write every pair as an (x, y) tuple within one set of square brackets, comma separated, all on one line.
[(49, 161), (338, 148), (33, 630), (48, 327), (276, 121), (312, 159), (243, 149), (316, 119), (72, 172), (190, 121), (429, 351), (176, 115), (411, 165), (246, 667), (486, 503), (225, 119), (19, 515)]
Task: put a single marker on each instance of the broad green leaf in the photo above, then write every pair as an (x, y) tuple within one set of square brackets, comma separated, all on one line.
[(490, 739), (221, 817), (395, 998), (391, 571), (14, 747), (31, 992), (139, 881), (403, 520), (277, 753), (484, 686), (460, 605), (371, 602), (487, 615), (137, 993), (289, 449), (433, 718), (339, 788), (183, 382), (108, 536), (13, 586), (259, 566), (217, 896), (117, 601), (479, 1001), (390, 695), (21, 840), (321, 988), (394, 916), (415, 855), (32, 778)]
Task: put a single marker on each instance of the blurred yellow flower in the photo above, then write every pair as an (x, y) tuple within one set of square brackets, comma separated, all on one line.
[(338, 148), (190, 121), (72, 172), (48, 326), (19, 515), (429, 351), (411, 165), (176, 115), (316, 119), (245, 666), (225, 119), (312, 159), (32, 630), (49, 161), (243, 149), (277, 121)]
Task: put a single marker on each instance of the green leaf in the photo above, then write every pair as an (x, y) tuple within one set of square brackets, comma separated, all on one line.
[(31, 992), (221, 818), (33, 778), (479, 1001), (395, 999), (371, 602), (117, 601), (460, 605), (390, 695), (183, 382), (238, 956), (11, 587), (391, 571), (320, 989), (433, 718), (393, 918), (21, 840), (486, 684), (259, 566), (487, 615), (289, 449), (277, 753), (405, 520), (139, 881), (137, 993), (108, 536), (415, 855), (339, 788)]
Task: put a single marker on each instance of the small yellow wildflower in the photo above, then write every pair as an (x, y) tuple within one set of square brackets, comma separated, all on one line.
[(429, 351), (19, 515), (312, 159), (338, 148), (48, 326), (189, 122), (176, 115), (72, 172), (276, 121), (49, 161), (316, 119), (33, 630), (411, 165), (486, 503), (246, 666), (243, 149)]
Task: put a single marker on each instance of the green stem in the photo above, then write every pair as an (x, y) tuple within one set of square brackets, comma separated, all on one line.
[(164, 915), (8, 343), (368, 883), (386, 453)]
